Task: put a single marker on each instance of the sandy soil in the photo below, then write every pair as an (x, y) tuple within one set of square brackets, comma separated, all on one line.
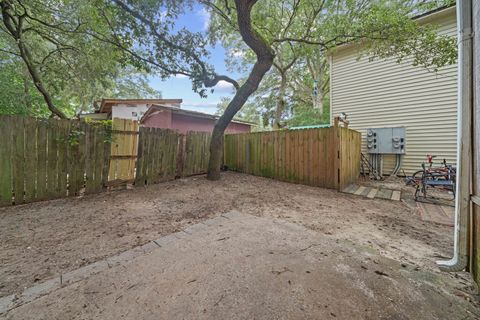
[(41, 240), (245, 267)]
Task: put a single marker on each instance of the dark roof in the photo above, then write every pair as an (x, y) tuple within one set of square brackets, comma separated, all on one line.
[(190, 113), (106, 104)]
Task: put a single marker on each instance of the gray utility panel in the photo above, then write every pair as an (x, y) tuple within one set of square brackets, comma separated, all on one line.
[(386, 140)]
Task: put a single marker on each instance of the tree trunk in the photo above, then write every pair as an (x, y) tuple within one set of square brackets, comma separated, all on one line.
[(37, 80), (15, 28), (280, 108), (318, 100), (264, 62), (26, 92)]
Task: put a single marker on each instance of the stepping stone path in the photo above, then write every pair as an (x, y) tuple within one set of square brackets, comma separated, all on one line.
[(372, 193)]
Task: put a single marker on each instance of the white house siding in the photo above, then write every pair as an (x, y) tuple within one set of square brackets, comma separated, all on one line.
[(133, 112), (383, 93)]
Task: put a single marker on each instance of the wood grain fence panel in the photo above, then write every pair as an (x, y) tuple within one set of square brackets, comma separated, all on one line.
[(6, 174), (160, 161), (152, 154), (304, 161), (149, 156), (296, 152), (166, 151), (175, 153), (98, 141), (171, 156), (19, 160), (41, 174), (169, 164), (140, 174), (30, 158), (107, 149), (62, 166), (157, 155), (52, 149), (166, 145), (271, 155), (163, 155), (90, 160), (311, 173), (327, 157), (349, 165), (49, 158), (60, 189), (282, 159), (124, 150), (72, 158), (82, 152), (196, 153), (156, 158)]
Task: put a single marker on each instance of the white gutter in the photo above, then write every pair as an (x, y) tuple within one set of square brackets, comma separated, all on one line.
[(464, 131)]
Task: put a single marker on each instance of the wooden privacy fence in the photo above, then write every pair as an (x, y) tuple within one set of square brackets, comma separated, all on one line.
[(165, 155), (157, 154), (327, 157), (123, 152), (197, 153), (47, 159), (44, 159)]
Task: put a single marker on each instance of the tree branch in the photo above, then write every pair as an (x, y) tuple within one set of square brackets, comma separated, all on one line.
[(14, 26), (208, 78)]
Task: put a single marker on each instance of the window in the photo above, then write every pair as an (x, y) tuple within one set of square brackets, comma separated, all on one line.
[(134, 114)]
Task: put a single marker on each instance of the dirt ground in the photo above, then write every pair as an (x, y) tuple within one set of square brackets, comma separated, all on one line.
[(240, 266), (41, 240)]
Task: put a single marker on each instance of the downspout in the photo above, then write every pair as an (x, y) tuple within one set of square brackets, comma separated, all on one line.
[(464, 123)]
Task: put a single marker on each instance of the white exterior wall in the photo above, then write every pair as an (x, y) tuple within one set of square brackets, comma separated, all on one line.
[(383, 93), (126, 111)]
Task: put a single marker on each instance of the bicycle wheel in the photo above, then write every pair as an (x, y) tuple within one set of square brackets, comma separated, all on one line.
[(415, 178)]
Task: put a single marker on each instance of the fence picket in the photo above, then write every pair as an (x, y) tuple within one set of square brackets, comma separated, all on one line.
[(52, 149), (30, 158), (46, 159), (302, 156), (62, 166), (19, 160), (6, 174)]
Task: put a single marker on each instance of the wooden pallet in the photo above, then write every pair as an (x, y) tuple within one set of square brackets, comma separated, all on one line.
[(373, 193)]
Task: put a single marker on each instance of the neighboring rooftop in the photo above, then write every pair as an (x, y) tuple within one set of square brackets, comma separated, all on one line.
[(158, 107), (106, 104)]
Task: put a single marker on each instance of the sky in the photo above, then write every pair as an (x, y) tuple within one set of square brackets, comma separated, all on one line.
[(181, 87)]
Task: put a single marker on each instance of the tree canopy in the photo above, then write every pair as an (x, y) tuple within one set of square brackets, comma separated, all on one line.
[(56, 62), (72, 51), (303, 32)]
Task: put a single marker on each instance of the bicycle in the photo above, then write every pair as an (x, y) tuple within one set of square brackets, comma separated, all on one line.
[(443, 177), (447, 171)]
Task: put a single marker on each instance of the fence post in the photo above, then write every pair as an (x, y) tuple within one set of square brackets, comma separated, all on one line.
[(337, 156)]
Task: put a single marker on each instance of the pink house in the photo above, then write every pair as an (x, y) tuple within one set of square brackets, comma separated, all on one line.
[(161, 116)]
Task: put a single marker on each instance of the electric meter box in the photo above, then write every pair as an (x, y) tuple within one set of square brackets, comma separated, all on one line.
[(386, 140)]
